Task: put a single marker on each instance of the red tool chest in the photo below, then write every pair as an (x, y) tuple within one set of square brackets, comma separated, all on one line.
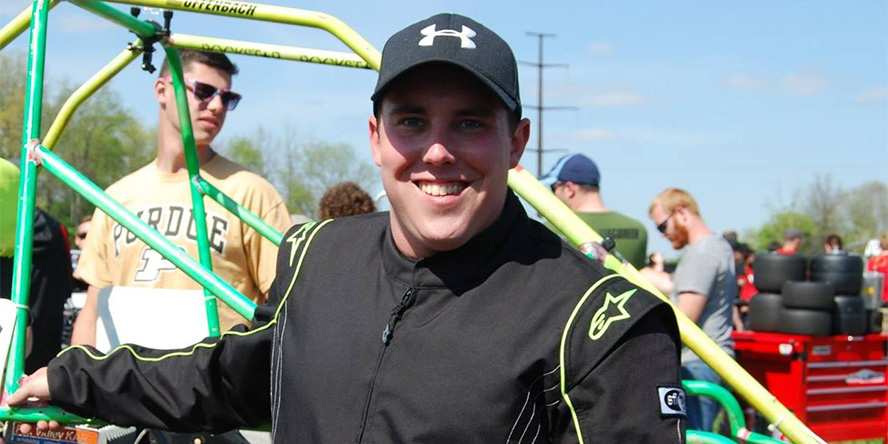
[(835, 384)]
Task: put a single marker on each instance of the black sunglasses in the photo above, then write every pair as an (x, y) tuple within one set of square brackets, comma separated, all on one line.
[(205, 92), (661, 227)]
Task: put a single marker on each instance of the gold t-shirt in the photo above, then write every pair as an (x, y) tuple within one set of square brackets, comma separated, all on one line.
[(241, 256)]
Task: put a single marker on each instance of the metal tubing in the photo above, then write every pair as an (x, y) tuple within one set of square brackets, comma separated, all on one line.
[(541, 198), (293, 53), (88, 89), (141, 28), (71, 177), (698, 437), (24, 229), (253, 221), (269, 13), (192, 162), (48, 413), (724, 397), (18, 25)]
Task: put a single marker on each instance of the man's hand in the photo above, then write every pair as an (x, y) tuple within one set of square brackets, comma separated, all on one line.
[(34, 389)]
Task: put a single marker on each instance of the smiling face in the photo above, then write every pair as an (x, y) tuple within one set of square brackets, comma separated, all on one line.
[(207, 117), (444, 145)]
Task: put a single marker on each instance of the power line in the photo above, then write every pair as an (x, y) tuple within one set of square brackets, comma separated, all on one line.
[(540, 108)]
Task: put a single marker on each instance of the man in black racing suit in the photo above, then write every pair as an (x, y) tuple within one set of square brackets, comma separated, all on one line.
[(452, 318)]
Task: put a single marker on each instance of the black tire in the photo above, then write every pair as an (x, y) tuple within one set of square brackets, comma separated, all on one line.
[(772, 270), (764, 312), (809, 295), (844, 283), (850, 315), (874, 320), (797, 321), (841, 263)]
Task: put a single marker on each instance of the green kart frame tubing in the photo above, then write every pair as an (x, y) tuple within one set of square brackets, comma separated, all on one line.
[(520, 180), (193, 165)]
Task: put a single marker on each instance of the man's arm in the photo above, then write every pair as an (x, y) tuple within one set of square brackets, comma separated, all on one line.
[(661, 279), (691, 304), (626, 397), (216, 385), (85, 326)]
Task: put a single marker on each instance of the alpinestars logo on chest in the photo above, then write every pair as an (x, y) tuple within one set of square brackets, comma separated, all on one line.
[(465, 36), (611, 311)]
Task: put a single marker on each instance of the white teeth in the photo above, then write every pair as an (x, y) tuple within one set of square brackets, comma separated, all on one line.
[(441, 190)]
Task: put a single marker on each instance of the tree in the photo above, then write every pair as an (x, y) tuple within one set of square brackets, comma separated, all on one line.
[(301, 169), (309, 167), (866, 207), (244, 151), (824, 202), (773, 230), (103, 140)]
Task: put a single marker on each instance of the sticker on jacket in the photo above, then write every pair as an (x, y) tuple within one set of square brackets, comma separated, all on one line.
[(672, 401), (612, 310)]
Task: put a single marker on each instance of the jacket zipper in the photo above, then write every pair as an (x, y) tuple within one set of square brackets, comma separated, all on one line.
[(397, 312), (387, 333)]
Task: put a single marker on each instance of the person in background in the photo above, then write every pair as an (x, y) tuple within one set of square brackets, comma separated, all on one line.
[(746, 285), (79, 241), (792, 241), (82, 231), (160, 195), (344, 199), (879, 263), (705, 288), (833, 244), (576, 180)]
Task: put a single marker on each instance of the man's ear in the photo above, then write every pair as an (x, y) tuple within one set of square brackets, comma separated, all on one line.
[(373, 126), (519, 142), (160, 87)]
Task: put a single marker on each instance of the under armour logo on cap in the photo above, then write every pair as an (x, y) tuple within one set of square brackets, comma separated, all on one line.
[(465, 37), (444, 38)]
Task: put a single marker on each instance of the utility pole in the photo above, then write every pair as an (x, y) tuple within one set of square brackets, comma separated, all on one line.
[(540, 108)]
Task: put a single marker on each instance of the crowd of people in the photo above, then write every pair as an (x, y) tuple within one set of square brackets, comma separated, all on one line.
[(424, 323)]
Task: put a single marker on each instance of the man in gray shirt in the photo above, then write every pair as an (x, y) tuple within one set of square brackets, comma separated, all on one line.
[(704, 287)]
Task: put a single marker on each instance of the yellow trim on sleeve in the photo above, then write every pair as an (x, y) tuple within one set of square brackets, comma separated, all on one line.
[(228, 333), (563, 367)]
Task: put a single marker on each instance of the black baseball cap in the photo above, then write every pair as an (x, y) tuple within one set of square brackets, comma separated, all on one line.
[(455, 39)]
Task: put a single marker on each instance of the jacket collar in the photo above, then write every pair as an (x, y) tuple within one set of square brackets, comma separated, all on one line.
[(465, 267)]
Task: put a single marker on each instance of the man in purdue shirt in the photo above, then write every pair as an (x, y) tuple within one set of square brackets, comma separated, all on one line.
[(159, 194)]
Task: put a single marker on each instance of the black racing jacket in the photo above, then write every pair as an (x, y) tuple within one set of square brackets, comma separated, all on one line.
[(514, 337)]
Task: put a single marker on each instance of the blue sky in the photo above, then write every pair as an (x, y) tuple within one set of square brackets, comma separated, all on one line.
[(740, 103)]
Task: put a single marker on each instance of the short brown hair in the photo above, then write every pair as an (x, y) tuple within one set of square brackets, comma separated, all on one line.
[(345, 199), (212, 59), (884, 240), (671, 197)]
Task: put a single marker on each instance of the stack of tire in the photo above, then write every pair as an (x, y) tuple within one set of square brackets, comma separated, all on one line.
[(845, 274), (828, 303)]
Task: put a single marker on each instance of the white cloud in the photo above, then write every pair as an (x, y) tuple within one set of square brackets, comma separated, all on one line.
[(743, 81), (803, 85), (602, 48), (591, 135), (583, 95), (82, 23), (800, 85), (613, 98), (874, 95)]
